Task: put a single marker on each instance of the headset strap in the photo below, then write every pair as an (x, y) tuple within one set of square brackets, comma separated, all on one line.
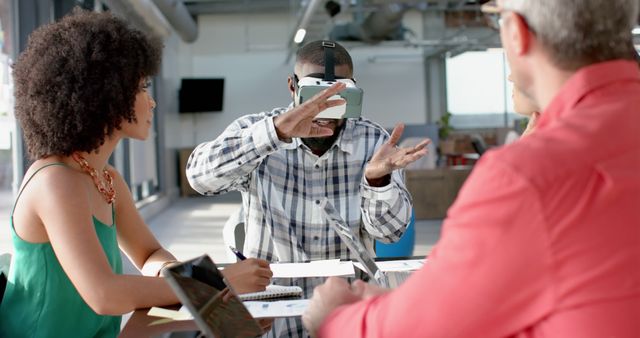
[(329, 62)]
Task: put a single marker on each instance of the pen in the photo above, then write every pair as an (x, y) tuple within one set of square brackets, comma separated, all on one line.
[(237, 253)]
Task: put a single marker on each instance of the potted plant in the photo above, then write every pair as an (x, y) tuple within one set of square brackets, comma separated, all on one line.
[(446, 145)]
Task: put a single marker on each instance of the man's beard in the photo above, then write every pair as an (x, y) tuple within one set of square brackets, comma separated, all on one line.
[(320, 145)]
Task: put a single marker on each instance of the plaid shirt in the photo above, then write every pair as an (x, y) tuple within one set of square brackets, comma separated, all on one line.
[(280, 183)]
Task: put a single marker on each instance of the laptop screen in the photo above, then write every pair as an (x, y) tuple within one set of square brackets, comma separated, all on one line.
[(357, 248), (215, 307)]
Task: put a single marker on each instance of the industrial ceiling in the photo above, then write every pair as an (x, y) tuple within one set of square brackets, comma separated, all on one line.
[(450, 26)]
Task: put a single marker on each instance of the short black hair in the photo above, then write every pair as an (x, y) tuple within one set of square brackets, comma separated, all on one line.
[(313, 52), (77, 79)]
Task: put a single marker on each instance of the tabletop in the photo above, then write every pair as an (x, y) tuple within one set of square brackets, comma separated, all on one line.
[(139, 323)]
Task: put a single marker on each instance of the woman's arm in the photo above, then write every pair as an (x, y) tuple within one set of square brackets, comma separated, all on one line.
[(134, 236), (66, 213), (137, 241)]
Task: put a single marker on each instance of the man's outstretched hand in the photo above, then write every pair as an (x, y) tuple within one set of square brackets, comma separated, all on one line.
[(298, 122), (333, 293), (391, 157)]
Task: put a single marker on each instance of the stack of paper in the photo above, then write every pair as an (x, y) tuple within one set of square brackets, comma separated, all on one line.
[(403, 265), (324, 268), (281, 308)]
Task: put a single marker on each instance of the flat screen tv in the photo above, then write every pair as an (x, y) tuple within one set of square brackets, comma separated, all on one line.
[(201, 95)]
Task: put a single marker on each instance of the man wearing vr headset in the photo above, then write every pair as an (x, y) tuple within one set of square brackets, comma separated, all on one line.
[(286, 160)]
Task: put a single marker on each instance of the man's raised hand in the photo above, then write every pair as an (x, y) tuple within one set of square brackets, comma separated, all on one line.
[(298, 122)]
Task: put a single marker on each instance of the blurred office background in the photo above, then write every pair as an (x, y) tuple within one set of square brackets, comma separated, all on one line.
[(434, 65)]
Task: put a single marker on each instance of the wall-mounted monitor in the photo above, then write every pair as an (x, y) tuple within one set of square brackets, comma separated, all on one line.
[(201, 95)]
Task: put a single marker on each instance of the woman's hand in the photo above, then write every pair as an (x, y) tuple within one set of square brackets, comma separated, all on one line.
[(249, 275)]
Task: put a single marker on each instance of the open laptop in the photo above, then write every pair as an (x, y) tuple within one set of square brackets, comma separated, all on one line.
[(215, 307), (389, 279)]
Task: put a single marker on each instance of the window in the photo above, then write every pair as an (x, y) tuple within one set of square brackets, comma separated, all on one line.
[(478, 93), (7, 124)]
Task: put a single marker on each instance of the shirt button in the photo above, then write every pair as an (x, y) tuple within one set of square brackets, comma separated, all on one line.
[(268, 148), (239, 163), (317, 201), (317, 166), (315, 238)]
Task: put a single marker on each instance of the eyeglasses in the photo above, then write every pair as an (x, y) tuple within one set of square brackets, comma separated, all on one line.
[(493, 15), (494, 20)]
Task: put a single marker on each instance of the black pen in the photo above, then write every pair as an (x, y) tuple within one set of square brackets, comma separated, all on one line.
[(237, 253)]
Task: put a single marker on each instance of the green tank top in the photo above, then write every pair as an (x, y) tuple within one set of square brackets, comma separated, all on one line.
[(41, 301)]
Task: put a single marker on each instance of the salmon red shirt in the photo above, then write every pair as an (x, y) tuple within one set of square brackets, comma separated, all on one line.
[(544, 237)]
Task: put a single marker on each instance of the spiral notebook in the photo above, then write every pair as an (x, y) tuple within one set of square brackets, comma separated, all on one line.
[(273, 292)]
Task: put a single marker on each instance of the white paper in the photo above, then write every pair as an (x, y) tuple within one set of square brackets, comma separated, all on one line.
[(274, 309), (403, 265), (281, 308), (182, 314), (324, 268)]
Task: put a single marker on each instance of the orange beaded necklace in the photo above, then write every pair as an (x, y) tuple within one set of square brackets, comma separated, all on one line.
[(105, 187)]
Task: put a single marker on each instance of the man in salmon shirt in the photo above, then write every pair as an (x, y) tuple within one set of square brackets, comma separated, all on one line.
[(544, 237)]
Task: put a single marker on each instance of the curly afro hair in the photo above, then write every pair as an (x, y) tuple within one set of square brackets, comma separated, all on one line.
[(77, 79)]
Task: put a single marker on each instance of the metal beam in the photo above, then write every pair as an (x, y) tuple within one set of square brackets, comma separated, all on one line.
[(143, 15), (435, 73), (304, 19), (235, 7), (179, 18)]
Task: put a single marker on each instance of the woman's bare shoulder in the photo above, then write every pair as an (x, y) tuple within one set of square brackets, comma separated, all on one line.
[(48, 191), (49, 178)]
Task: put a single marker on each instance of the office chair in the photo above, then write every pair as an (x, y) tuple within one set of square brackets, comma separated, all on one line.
[(233, 233), (5, 261), (403, 247), (478, 144)]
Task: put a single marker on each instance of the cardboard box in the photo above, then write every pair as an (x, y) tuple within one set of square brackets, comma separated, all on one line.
[(434, 190), (183, 158)]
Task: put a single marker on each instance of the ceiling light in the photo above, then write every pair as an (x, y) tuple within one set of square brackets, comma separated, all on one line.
[(300, 35)]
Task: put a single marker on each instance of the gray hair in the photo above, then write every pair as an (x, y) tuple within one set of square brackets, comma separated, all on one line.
[(577, 33)]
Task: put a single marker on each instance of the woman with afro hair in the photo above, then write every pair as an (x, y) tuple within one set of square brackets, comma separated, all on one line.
[(81, 87)]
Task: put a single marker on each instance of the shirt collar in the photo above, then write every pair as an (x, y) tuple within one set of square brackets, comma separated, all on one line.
[(586, 80)]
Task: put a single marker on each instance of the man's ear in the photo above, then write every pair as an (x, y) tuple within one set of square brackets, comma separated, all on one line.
[(519, 34), (291, 85)]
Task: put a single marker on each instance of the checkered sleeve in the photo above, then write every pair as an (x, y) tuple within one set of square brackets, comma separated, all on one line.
[(386, 211), (226, 163)]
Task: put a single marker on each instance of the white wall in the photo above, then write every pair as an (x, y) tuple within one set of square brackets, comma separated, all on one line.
[(174, 63), (250, 50)]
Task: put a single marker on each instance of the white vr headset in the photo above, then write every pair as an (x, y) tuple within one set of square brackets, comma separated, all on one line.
[(310, 86)]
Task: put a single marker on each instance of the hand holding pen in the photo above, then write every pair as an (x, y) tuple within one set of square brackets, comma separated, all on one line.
[(237, 253), (249, 274)]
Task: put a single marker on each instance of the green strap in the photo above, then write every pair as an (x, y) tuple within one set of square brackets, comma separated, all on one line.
[(29, 180)]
